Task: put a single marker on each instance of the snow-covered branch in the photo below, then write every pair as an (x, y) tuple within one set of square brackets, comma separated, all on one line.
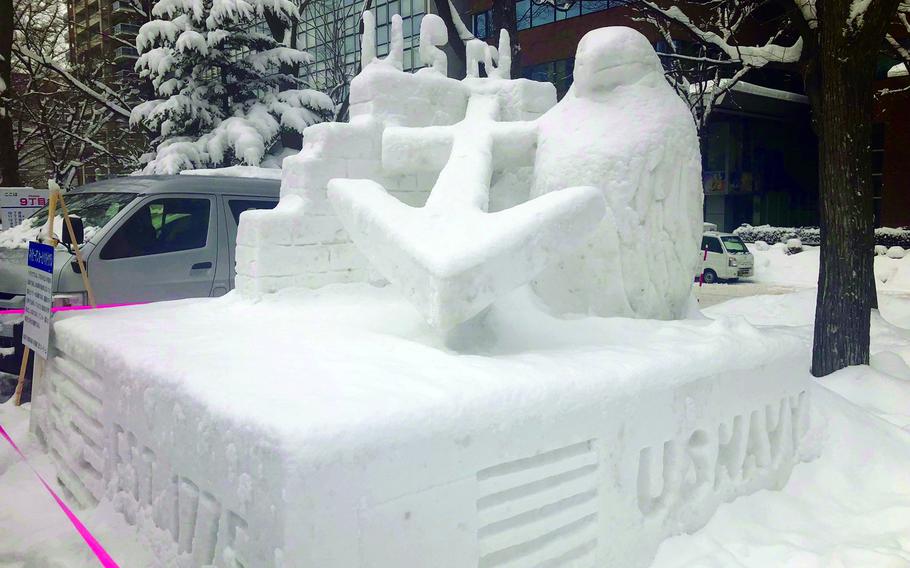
[(101, 98), (753, 56)]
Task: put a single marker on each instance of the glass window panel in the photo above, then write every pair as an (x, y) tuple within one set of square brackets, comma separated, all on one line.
[(406, 27), (542, 15), (159, 227), (415, 25), (382, 34), (573, 11), (523, 14), (394, 8), (418, 7), (405, 8), (382, 50), (591, 6)]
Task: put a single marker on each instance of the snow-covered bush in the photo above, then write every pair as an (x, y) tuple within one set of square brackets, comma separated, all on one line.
[(890, 237), (794, 246), (771, 235), (881, 250), (896, 252), (885, 236), (227, 91), (762, 245)]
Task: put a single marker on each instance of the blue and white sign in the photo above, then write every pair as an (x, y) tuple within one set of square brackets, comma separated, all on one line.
[(39, 296)]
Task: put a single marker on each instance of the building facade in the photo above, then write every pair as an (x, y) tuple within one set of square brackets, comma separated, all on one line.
[(759, 153), (102, 37)]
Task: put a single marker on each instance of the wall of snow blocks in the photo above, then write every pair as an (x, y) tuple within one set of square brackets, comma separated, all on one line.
[(600, 487), (301, 243)]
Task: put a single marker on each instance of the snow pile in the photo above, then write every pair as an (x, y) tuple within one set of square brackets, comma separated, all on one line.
[(776, 266), (896, 252), (851, 507)]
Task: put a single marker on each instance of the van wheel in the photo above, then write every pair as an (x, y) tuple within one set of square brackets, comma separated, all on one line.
[(709, 276)]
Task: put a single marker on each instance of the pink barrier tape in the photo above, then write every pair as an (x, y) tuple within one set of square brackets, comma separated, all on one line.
[(103, 557), (72, 308)]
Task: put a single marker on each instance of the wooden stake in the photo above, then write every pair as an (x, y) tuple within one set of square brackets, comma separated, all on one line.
[(51, 213), (21, 383)]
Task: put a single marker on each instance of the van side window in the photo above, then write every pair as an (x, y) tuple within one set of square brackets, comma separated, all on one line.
[(712, 243), (238, 206), (161, 226)]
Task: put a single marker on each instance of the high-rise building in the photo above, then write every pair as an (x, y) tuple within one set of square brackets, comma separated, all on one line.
[(104, 32), (102, 36), (330, 31)]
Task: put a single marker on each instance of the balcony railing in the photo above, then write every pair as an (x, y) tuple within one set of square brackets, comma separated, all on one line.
[(125, 29), (125, 53), (120, 6)]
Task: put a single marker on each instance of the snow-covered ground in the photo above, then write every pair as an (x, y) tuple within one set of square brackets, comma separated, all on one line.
[(777, 268), (849, 508), (779, 273)]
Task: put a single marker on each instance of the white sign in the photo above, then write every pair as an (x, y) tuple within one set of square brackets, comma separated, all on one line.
[(39, 293), (18, 203)]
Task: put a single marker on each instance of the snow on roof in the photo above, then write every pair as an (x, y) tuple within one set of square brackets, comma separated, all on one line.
[(899, 70), (237, 171)]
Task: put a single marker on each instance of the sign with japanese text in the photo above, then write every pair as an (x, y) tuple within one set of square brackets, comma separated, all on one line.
[(39, 292), (18, 203)]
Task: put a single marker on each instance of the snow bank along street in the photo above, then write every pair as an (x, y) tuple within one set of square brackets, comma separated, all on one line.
[(446, 349), (777, 272)]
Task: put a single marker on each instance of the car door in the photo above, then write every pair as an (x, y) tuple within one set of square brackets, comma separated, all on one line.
[(716, 259), (165, 250), (234, 205)]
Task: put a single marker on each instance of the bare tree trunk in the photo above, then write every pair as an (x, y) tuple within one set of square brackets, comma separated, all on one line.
[(504, 18), (843, 106), (9, 157)]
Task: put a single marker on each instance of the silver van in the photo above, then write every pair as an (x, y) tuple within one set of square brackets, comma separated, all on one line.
[(146, 239)]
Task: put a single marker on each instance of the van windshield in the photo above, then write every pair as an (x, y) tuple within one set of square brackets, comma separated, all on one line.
[(734, 245), (95, 209)]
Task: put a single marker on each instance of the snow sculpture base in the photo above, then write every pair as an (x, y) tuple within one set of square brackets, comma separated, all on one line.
[(329, 429)]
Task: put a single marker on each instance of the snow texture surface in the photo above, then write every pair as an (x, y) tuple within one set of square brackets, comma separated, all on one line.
[(375, 445), (479, 143), (622, 129)]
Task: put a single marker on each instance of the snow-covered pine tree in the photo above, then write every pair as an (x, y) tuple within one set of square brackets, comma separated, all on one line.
[(224, 90)]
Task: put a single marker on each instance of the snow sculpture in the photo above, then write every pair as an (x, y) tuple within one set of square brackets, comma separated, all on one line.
[(610, 225), (450, 257), (622, 128), (433, 32), (497, 62)]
